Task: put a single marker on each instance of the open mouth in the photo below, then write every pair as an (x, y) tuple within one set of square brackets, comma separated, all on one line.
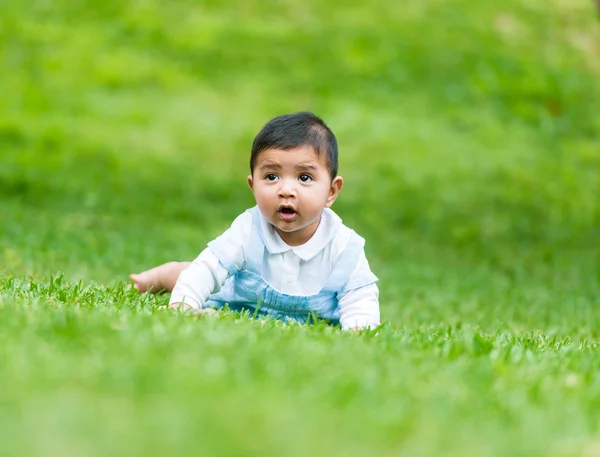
[(287, 213)]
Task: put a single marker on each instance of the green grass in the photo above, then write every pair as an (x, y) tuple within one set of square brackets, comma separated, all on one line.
[(468, 139)]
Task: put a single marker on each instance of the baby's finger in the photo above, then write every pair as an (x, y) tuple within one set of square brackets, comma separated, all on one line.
[(204, 311)]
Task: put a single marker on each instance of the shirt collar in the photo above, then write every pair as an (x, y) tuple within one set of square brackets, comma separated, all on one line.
[(327, 228)]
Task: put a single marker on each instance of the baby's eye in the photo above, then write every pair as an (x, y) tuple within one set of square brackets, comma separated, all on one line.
[(305, 178), (271, 177)]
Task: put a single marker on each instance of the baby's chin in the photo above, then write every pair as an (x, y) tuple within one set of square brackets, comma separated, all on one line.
[(293, 227), (286, 227)]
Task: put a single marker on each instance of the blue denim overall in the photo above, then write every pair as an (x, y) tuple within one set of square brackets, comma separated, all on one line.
[(246, 290)]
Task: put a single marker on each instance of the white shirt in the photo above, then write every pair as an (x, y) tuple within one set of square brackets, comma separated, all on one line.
[(294, 270)]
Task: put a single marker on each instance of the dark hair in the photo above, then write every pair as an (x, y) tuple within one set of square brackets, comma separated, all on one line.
[(290, 131)]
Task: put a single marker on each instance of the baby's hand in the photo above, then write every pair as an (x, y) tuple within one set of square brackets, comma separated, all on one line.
[(183, 307), (157, 279), (147, 281), (204, 311), (180, 307)]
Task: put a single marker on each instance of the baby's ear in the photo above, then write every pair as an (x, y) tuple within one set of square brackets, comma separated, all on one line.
[(334, 190), (250, 183)]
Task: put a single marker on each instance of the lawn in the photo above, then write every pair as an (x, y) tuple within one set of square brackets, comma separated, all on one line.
[(469, 140)]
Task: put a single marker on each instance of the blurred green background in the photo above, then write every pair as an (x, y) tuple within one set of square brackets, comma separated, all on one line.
[(468, 133), (469, 142)]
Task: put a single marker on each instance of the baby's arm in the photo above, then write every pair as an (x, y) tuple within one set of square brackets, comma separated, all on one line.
[(205, 275), (198, 281), (359, 308), (160, 278)]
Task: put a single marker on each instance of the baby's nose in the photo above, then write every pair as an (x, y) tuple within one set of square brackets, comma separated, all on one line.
[(287, 189)]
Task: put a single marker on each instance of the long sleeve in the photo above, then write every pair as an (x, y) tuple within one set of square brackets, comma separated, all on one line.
[(206, 274), (359, 308), (203, 277)]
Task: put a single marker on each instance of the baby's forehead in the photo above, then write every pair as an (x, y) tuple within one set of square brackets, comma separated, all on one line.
[(304, 154)]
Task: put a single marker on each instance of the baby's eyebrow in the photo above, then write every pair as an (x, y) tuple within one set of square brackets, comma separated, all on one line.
[(272, 166), (306, 166)]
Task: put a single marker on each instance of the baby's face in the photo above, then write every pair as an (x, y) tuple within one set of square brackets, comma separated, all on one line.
[(291, 189)]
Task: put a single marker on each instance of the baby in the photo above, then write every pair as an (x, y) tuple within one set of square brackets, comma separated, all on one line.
[(290, 256)]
